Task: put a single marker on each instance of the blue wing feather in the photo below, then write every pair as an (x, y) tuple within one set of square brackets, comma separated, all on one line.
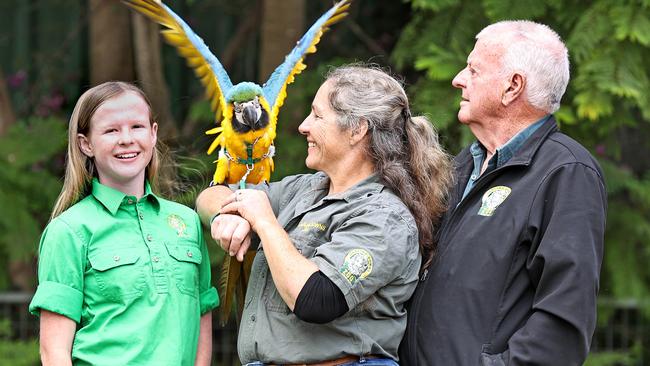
[(211, 59), (189, 45), (274, 88)]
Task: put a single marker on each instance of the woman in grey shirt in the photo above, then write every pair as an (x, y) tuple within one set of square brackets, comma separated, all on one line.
[(340, 250)]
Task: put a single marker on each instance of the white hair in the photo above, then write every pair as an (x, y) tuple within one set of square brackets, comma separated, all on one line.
[(539, 53)]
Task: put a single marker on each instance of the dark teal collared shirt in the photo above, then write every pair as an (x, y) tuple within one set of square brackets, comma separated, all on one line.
[(502, 154)]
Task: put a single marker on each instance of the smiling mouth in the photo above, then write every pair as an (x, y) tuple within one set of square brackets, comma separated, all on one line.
[(311, 144), (127, 156)]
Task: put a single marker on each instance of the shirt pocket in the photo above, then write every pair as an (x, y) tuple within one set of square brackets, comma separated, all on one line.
[(186, 258), (119, 273), (306, 245)]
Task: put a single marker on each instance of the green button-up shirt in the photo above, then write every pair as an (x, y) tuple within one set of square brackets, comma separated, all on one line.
[(134, 274), (365, 240)]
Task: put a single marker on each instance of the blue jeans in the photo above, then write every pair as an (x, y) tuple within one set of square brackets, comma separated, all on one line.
[(364, 362)]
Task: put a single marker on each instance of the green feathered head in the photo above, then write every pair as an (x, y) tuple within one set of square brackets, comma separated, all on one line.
[(243, 92)]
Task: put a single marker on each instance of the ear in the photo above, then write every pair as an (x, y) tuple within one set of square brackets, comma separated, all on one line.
[(359, 133), (154, 133), (515, 88), (84, 145)]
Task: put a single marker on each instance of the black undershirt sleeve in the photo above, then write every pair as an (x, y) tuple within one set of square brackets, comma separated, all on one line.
[(320, 301)]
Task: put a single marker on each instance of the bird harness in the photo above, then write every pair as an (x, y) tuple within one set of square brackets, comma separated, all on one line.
[(250, 161)]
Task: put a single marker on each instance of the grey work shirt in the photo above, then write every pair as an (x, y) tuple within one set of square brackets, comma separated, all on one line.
[(365, 240)]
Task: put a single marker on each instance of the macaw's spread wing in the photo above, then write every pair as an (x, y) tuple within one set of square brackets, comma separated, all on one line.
[(275, 87), (198, 56)]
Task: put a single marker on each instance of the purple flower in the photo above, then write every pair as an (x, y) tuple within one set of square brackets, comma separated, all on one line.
[(600, 149), (17, 79), (54, 101), (49, 104)]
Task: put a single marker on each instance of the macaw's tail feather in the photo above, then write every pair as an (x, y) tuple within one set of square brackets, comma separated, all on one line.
[(233, 283)]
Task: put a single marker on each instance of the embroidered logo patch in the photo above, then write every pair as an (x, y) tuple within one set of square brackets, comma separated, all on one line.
[(492, 199), (306, 226), (177, 223), (356, 266)]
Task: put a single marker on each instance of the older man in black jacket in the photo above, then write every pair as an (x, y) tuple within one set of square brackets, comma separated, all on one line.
[(515, 278)]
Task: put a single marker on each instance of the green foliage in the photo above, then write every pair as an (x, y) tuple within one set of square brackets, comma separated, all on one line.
[(513, 9), (19, 353), (615, 358), (28, 188), (435, 5), (16, 353), (609, 44)]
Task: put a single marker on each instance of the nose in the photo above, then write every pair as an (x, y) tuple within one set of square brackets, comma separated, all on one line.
[(459, 79), (304, 126), (125, 137)]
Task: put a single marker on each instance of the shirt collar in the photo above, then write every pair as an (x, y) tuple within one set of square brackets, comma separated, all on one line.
[(507, 151), (504, 153), (112, 198), (370, 185)]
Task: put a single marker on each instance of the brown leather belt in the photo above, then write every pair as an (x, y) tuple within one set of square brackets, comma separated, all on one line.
[(339, 361)]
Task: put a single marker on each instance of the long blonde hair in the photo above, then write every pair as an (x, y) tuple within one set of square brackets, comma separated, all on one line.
[(80, 169)]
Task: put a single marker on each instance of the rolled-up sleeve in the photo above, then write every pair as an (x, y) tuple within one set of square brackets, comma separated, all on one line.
[(208, 296), (61, 265)]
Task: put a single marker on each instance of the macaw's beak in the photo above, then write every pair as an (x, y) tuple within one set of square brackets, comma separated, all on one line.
[(249, 115)]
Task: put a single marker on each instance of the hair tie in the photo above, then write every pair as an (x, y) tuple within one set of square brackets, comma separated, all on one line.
[(406, 112)]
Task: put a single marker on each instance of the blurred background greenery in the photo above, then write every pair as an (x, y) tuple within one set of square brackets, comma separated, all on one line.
[(53, 50)]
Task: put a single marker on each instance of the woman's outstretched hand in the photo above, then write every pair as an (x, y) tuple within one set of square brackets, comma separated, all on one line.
[(253, 206)]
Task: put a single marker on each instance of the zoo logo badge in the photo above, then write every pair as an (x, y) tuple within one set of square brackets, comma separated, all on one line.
[(492, 199), (177, 223), (357, 265)]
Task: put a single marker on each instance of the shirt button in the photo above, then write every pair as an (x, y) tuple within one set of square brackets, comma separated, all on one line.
[(473, 176), (189, 254), (130, 201), (149, 237), (141, 216), (253, 317), (116, 258), (155, 259)]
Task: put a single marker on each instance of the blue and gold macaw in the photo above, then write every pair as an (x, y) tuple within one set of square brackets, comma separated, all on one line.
[(247, 113)]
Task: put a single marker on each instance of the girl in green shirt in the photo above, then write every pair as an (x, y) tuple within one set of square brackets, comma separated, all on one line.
[(124, 275)]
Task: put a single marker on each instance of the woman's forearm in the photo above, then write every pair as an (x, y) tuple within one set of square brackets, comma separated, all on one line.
[(209, 202), (290, 270)]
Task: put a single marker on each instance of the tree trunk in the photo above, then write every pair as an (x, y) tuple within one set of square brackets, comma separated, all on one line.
[(7, 117), (111, 56), (149, 68), (283, 23)]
